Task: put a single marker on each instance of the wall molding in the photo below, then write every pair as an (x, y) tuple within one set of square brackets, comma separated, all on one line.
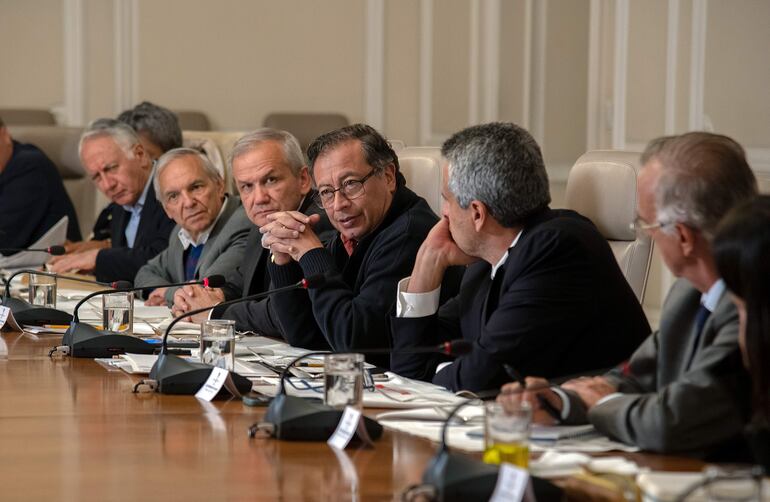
[(491, 19), (374, 64), (594, 98), (672, 51), (697, 64), (126, 53), (538, 73), (74, 19), (526, 71), (620, 75)]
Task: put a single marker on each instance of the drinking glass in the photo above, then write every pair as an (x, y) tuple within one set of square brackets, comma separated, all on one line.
[(118, 312), (42, 290), (506, 433), (217, 346), (343, 380)]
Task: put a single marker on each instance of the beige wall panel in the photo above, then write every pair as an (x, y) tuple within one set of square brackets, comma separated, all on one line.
[(451, 45), (100, 60), (31, 34), (402, 70), (737, 91), (646, 74), (566, 81), (683, 68), (512, 71), (238, 60)]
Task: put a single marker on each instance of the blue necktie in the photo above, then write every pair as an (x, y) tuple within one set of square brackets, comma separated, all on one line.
[(191, 263), (700, 320)]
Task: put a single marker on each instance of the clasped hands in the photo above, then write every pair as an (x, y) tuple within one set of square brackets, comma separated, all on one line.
[(589, 389), (289, 235)]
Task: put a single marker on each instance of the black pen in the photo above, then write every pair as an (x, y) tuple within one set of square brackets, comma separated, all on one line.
[(541, 400)]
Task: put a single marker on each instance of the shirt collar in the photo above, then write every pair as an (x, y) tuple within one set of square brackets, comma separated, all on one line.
[(187, 240), (139, 204), (710, 298), (502, 261)]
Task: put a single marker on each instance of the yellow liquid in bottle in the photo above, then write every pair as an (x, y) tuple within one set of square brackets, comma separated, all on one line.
[(512, 453)]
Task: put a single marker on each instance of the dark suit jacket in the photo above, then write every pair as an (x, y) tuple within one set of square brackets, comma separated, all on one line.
[(563, 307), (120, 262), (32, 199), (668, 406), (251, 277)]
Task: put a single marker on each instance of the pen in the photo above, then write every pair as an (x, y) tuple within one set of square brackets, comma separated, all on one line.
[(56, 326), (310, 365), (541, 400)]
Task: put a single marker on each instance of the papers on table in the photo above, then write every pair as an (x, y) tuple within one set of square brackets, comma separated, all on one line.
[(55, 236)]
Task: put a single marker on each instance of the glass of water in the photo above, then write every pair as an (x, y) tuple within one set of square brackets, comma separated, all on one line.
[(42, 290), (118, 312), (343, 380), (506, 433), (218, 343)]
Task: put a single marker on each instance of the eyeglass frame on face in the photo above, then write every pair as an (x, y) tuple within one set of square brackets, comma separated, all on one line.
[(346, 186), (639, 225)]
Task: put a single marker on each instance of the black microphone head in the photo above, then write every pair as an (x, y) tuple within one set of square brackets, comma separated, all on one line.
[(214, 281), (122, 285), (56, 250), (460, 347), (314, 281)]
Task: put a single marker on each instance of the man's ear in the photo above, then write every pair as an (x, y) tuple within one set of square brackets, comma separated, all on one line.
[(479, 214), (305, 183), (688, 238), (390, 176)]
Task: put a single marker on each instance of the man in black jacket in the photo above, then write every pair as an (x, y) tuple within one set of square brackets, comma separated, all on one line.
[(270, 173), (118, 164), (32, 195), (380, 224), (542, 294)]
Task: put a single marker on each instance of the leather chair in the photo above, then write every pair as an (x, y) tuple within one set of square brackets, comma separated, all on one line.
[(190, 120), (306, 126), (60, 144), (421, 166), (602, 187), (27, 116), (217, 146)]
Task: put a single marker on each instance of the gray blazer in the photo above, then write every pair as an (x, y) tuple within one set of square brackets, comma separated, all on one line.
[(666, 405), (223, 252)]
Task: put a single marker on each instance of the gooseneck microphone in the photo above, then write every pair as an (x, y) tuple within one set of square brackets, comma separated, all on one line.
[(173, 375), (52, 250), (84, 340), (296, 419), (26, 313)]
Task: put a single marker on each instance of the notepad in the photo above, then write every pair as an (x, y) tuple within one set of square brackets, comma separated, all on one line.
[(559, 432)]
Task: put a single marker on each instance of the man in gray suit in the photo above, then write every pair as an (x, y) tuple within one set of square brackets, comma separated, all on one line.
[(211, 228), (684, 389)]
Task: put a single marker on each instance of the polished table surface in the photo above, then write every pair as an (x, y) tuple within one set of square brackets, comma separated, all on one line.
[(73, 430)]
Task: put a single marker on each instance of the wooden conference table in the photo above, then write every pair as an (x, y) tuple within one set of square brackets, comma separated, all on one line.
[(71, 429)]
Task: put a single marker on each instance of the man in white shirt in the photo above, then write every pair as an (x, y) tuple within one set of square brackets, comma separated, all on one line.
[(210, 235), (684, 390)]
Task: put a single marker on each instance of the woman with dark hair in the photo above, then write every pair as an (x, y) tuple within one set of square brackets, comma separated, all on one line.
[(742, 253)]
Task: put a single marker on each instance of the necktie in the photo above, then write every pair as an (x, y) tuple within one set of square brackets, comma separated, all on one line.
[(700, 320), (349, 244), (191, 263)]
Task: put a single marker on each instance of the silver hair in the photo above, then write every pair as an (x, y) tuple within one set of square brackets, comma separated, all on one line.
[(160, 124), (121, 133), (177, 153), (291, 149), (704, 175), (500, 165)]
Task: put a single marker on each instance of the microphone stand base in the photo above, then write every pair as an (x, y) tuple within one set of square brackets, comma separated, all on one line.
[(26, 313), (86, 341), (179, 376)]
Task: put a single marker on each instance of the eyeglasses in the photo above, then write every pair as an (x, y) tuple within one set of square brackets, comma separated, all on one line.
[(641, 226), (350, 189)]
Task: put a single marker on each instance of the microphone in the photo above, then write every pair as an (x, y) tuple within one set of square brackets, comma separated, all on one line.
[(52, 250), (173, 375), (451, 477), (84, 340), (296, 419), (26, 313)]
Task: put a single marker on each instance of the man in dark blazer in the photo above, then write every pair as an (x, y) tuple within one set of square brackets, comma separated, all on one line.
[(116, 161), (32, 195), (542, 294), (684, 390), (270, 173)]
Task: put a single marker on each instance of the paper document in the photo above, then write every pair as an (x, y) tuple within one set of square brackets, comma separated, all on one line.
[(55, 236)]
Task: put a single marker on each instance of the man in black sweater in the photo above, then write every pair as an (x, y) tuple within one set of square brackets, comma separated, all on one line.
[(380, 225), (32, 195)]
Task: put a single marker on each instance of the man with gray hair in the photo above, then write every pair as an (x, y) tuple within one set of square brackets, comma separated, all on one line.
[(542, 290), (684, 390), (116, 161), (211, 228), (270, 174)]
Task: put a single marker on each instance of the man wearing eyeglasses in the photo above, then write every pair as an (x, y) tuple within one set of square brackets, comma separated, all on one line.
[(380, 225), (684, 389)]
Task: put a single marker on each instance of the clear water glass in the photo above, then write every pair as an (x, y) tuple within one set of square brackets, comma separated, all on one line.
[(343, 380), (42, 290), (217, 347), (118, 312)]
